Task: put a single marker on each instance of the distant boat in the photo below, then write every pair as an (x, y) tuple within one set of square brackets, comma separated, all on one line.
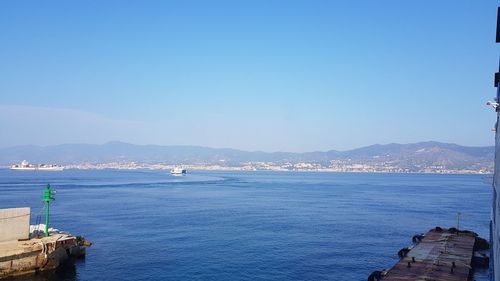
[(178, 171), (25, 166)]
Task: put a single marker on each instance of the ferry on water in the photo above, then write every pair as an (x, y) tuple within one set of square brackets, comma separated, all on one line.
[(178, 171), (26, 166)]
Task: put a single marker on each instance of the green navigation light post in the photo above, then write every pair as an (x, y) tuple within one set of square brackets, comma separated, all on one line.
[(48, 196)]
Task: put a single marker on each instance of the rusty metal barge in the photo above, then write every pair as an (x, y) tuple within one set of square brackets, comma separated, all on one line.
[(439, 255)]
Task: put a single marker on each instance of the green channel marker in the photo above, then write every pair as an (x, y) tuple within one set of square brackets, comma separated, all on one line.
[(48, 196)]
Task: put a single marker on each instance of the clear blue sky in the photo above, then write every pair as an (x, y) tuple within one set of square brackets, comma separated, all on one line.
[(256, 75)]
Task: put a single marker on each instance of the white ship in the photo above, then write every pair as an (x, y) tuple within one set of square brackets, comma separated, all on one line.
[(178, 171), (25, 166)]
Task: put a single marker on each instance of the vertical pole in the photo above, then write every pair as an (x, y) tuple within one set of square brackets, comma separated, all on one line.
[(47, 219), (458, 220), (493, 222)]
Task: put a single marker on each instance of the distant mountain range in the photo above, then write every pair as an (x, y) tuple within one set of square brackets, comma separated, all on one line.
[(411, 156)]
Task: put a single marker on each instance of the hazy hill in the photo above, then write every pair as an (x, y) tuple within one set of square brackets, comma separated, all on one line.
[(422, 154), (425, 154)]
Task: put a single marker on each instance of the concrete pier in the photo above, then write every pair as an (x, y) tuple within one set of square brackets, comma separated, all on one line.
[(28, 249), (19, 257), (442, 255)]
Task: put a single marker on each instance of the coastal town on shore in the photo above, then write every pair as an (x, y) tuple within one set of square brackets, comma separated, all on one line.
[(335, 166), (423, 157)]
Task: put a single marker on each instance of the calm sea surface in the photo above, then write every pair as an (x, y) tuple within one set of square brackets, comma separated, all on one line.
[(149, 225)]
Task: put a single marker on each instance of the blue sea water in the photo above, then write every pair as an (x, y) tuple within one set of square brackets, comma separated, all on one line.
[(149, 225)]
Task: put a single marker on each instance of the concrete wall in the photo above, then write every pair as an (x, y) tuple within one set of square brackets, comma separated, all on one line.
[(14, 224)]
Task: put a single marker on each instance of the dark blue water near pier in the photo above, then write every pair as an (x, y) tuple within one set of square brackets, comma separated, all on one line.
[(149, 225)]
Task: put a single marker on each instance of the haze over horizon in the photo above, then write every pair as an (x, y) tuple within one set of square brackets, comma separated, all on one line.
[(257, 75), (117, 142)]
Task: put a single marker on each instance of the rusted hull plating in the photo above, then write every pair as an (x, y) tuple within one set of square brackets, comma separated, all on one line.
[(442, 255)]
